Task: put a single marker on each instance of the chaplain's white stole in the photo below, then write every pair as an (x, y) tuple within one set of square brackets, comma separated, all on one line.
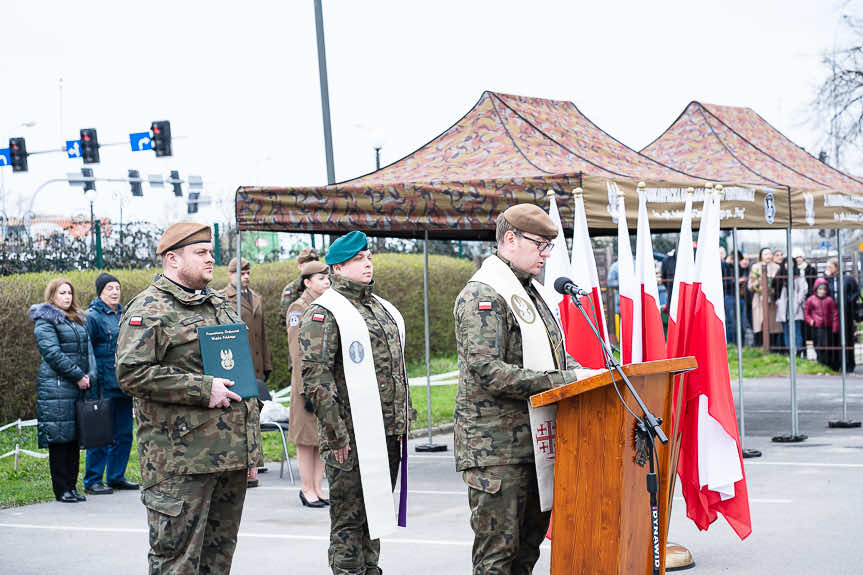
[(365, 399), (537, 354)]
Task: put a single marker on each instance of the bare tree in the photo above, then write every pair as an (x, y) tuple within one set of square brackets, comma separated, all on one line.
[(839, 99)]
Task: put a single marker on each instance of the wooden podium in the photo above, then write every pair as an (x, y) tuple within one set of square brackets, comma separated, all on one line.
[(601, 514)]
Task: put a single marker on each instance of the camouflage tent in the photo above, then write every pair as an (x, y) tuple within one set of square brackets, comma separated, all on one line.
[(737, 144), (506, 149)]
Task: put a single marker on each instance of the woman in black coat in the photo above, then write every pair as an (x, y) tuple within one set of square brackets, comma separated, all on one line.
[(67, 366)]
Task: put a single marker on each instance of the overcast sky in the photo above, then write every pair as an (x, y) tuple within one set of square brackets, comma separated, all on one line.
[(239, 81)]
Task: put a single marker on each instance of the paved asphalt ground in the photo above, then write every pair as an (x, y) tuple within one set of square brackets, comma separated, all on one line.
[(806, 501)]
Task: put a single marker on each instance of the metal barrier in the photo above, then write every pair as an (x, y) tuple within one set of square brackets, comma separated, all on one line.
[(17, 451)]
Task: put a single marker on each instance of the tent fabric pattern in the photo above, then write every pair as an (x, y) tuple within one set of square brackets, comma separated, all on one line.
[(507, 149), (737, 144)]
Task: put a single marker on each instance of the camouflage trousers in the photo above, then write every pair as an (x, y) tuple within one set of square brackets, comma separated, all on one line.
[(351, 551), (504, 514), (193, 522)]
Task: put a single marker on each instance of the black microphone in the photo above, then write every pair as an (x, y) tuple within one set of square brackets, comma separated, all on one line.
[(566, 287)]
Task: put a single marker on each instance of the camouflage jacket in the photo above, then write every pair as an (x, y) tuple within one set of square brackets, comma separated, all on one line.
[(290, 294), (324, 375), (491, 419), (159, 364)]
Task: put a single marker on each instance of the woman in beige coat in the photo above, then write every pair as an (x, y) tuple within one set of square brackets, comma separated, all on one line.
[(314, 281), (765, 267)]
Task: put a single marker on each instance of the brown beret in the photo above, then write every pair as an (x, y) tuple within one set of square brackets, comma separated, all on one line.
[(532, 219), (232, 265), (307, 255), (183, 234), (313, 267)]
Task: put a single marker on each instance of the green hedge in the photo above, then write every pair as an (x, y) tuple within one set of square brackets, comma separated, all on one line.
[(398, 277)]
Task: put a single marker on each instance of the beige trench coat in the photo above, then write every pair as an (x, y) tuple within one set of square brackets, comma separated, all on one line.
[(755, 285), (253, 316), (304, 425)]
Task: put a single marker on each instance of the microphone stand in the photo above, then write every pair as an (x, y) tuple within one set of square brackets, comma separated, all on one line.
[(647, 427)]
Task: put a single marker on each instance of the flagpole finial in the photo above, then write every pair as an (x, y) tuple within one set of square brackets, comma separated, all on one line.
[(718, 187), (641, 185), (690, 190), (708, 186), (577, 191), (550, 192)]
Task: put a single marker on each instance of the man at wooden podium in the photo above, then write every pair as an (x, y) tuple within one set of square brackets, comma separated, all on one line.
[(509, 348)]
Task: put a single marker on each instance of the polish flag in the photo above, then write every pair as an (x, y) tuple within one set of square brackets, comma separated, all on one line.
[(580, 340), (648, 336), (711, 465), (557, 265), (627, 287), (680, 307)]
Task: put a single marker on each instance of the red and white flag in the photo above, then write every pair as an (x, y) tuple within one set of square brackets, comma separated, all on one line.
[(627, 286), (711, 465), (680, 306), (580, 340), (556, 266), (648, 335)]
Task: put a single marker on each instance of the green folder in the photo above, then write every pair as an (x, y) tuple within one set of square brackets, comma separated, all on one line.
[(225, 352)]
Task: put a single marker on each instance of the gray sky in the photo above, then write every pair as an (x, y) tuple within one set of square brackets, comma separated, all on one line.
[(400, 72)]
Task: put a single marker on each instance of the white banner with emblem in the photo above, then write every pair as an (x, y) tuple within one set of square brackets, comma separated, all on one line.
[(536, 355), (363, 394)]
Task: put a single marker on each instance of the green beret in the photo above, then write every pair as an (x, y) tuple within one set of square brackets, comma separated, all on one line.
[(346, 247)]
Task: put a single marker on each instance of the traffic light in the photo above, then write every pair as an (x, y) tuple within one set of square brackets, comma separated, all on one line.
[(89, 146), (135, 183), (192, 206), (160, 137), (174, 180), (18, 152), (88, 185)]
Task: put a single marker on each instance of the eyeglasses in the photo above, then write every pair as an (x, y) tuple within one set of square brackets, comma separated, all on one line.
[(541, 246)]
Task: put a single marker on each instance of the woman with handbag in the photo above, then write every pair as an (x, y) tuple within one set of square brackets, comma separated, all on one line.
[(103, 325), (67, 367), (314, 281)]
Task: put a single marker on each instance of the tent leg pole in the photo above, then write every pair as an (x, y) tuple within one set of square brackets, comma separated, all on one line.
[(745, 452), (795, 436), (843, 423), (430, 446)]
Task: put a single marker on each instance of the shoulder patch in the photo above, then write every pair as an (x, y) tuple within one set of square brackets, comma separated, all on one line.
[(318, 317), (136, 320), (287, 292), (294, 318), (484, 305)]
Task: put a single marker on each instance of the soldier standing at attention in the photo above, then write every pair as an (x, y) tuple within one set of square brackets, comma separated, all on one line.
[(509, 348), (352, 346), (196, 438), (253, 316), (291, 293)]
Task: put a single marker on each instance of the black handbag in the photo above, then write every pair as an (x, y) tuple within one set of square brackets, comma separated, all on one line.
[(94, 422)]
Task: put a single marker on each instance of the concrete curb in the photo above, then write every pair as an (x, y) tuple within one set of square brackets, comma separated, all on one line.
[(436, 430)]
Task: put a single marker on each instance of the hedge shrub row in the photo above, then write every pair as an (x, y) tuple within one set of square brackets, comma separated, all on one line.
[(398, 278)]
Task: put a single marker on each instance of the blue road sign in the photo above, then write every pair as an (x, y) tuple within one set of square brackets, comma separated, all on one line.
[(73, 148), (5, 157), (140, 141)]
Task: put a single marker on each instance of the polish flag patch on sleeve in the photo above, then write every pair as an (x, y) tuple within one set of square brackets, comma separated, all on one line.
[(287, 293), (317, 317), (136, 320), (484, 305)]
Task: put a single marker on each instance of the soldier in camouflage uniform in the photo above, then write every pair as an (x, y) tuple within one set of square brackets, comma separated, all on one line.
[(351, 550), (196, 438), (493, 443), (291, 293)]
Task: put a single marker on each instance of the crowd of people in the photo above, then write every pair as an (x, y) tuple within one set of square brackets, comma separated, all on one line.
[(763, 294)]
